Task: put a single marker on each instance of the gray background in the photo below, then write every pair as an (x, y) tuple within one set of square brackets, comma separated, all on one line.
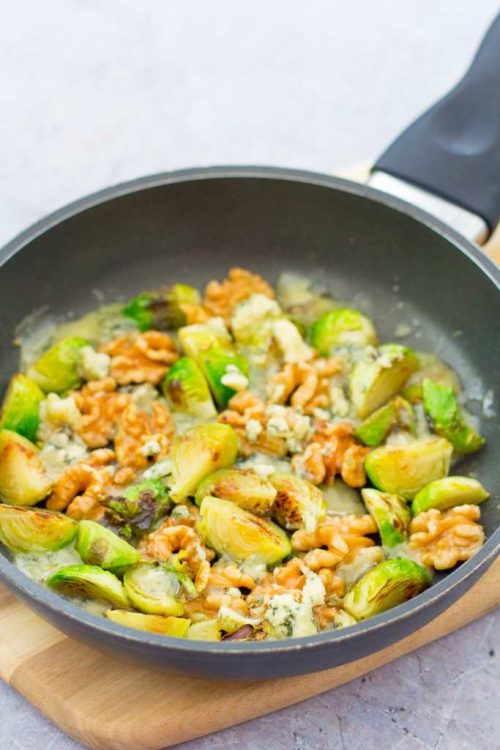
[(94, 92)]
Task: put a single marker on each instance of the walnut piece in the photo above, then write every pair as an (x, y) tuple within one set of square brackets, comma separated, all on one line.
[(222, 298), (141, 357), (444, 539)]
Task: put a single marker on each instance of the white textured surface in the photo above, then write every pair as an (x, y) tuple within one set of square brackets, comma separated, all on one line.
[(98, 91)]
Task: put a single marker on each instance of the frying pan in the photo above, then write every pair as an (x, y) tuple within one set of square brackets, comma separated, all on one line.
[(397, 262)]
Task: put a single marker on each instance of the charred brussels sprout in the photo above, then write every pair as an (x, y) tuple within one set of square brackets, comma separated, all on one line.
[(23, 479), (375, 381), (342, 327), (210, 345), (441, 407), (342, 500), (154, 588), (391, 514), (236, 533), (139, 508), (163, 309), (230, 621), (242, 486), (375, 428), (447, 493), (89, 582), (35, 530), (298, 504), (99, 546), (57, 369), (186, 389), (206, 630), (173, 626), (21, 406), (406, 469), (433, 368), (385, 586), (197, 453)]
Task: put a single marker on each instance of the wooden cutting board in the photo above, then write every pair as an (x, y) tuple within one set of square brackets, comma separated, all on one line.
[(108, 705)]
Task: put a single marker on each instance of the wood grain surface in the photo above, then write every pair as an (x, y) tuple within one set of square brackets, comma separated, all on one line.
[(109, 705)]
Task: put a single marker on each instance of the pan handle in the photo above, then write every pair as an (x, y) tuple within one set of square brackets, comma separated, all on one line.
[(453, 149)]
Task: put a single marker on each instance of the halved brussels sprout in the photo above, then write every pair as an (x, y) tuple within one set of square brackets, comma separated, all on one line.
[(342, 327), (390, 513), (210, 345), (441, 406), (187, 390), (21, 406), (174, 626), (99, 546), (139, 508), (236, 533), (230, 621), (375, 428), (375, 381), (300, 301), (299, 504), (242, 486), (162, 309), (89, 582), (342, 500), (35, 530), (433, 368), (406, 469), (447, 493), (154, 588), (385, 586), (252, 320), (57, 369), (197, 453), (206, 630), (23, 479)]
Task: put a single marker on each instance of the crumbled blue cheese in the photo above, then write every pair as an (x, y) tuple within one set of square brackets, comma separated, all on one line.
[(150, 448), (290, 342), (288, 617), (365, 559), (338, 400), (252, 320), (61, 448), (264, 465), (253, 428), (56, 412), (158, 470), (144, 395), (93, 365), (234, 378)]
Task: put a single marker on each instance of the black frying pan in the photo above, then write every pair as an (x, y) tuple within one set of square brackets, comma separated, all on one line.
[(395, 261)]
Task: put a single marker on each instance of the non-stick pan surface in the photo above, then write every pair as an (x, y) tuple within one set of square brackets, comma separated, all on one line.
[(391, 260)]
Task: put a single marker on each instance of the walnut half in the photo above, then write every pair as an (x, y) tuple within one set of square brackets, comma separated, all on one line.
[(444, 539)]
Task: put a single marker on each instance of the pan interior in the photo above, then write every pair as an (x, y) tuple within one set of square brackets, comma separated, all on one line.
[(383, 261)]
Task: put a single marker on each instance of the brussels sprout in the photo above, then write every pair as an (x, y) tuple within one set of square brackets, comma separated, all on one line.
[(406, 469), (20, 407), (373, 382), (197, 453), (139, 508), (162, 309), (89, 582), (230, 621), (441, 406), (447, 493), (243, 486), (154, 588), (390, 583), (35, 530), (430, 366), (187, 390), (240, 535), (299, 504), (210, 345), (99, 546), (342, 327), (23, 480), (57, 369), (342, 500), (174, 626), (207, 630), (300, 301), (375, 428), (391, 514)]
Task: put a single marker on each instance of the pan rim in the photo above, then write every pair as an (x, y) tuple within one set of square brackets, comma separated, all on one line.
[(63, 608)]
